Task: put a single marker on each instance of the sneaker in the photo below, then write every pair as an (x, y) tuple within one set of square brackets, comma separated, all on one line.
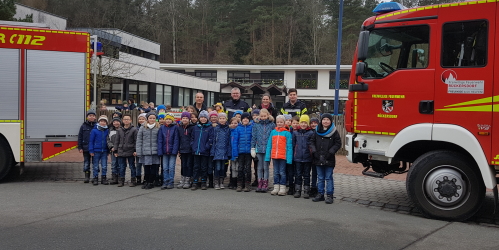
[(164, 187), (203, 186), (329, 199), (319, 197), (169, 186), (194, 186)]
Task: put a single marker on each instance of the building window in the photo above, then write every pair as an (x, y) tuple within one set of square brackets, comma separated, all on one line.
[(464, 44), (112, 93), (344, 77), (238, 76), (138, 52), (208, 74), (272, 77), (306, 80), (180, 97), (138, 91), (187, 96), (163, 94)]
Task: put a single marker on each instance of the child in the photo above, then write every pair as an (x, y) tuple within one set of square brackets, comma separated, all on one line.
[(219, 107), (194, 118), (288, 118), (110, 139), (147, 149), (241, 149), (161, 109), (238, 115), (209, 109), (290, 168), (221, 149), (280, 149), (259, 139), (295, 123), (313, 182), (168, 142), (201, 141), (314, 122), (234, 122), (83, 139), (255, 113), (97, 147), (211, 164), (185, 131), (301, 157), (161, 118), (117, 114), (191, 109), (214, 118), (124, 149), (323, 145), (142, 120)]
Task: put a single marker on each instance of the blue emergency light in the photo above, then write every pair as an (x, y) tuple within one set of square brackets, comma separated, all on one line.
[(388, 7), (99, 46)]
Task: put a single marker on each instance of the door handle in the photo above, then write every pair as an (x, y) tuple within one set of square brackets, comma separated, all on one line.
[(426, 107)]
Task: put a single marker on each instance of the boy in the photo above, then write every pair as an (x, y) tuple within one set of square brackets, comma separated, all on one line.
[(98, 149), (290, 168), (116, 124), (301, 157), (221, 150), (241, 149), (313, 123), (201, 141), (168, 143), (83, 140), (185, 131), (233, 161), (211, 164), (124, 149), (288, 122)]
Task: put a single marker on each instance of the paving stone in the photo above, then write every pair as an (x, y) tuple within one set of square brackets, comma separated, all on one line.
[(391, 206), (363, 202)]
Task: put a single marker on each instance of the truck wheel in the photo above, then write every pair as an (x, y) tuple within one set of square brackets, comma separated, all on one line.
[(445, 185), (6, 158)]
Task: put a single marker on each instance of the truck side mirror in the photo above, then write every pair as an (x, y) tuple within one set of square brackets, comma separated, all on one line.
[(360, 68), (363, 45)]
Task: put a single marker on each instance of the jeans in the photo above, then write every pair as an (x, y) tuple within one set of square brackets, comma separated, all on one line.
[(219, 169), (186, 164), (169, 169), (234, 165), (87, 159), (138, 167), (325, 172), (115, 167), (244, 171), (263, 167), (100, 157), (200, 167), (290, 173), (131, 163), (211, 165), (302, 173), (313, 182), (279, 171)]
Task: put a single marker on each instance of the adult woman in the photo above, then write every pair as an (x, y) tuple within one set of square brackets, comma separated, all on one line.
[(267, 104)]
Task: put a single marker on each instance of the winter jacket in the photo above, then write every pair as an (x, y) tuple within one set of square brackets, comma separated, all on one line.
[(242, 140), (298, 109), (98, 140), (280, 145), (203, 107), (221, 149), (147, 140), (260, 135), (84, 135), (301, 149), (231, 106), (202, 139), (111, 137), (168, 140), (272, 110), (124, 143), (324, 144), (185, 138)]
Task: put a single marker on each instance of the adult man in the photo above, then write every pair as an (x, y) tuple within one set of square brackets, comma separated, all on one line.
[(294, 107), (199, 104), (236, 103)]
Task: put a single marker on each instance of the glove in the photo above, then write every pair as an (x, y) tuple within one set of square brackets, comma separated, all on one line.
[(253, 152)]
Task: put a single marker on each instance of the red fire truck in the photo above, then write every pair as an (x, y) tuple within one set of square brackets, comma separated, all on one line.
[(44, 91), (422, 99)]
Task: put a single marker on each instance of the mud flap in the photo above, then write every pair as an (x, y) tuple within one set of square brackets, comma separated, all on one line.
[(494, 190)]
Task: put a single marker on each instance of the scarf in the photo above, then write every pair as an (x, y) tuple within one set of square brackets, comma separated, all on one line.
[(151, 125), (101, 128)]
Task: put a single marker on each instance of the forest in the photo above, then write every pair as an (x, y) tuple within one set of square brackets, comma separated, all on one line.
[(259, 32)]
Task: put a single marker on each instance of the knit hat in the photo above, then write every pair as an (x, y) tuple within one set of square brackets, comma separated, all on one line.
[(142, 115), (218, 104), (103, 117), (91, 112), (237, 112), (255, 112), (213, 113), (161, 107), (117, 119), (170, 116), (246, 115), (119, 114), (287, 117), (314, 119), (125, 102), (185, 114), (220, 115), (280, 117), (161, 115), (204, 114), (305, 118), (327, 115)]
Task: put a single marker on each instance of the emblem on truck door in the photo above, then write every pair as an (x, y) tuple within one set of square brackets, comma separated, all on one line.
[(455, 86), (387, 106)]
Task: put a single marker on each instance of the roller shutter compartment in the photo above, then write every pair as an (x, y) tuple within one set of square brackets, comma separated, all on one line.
[(9, 82)]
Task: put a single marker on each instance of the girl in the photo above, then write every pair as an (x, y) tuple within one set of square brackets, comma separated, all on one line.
[(280, 149), (168, 142), (259, 138), (211, 164), (147, 149), (219, 107), (110, 145), (241, 149), (221, 149), (234, 122), (138, 168), (201, 141), (185, 131), (323, 146), (97, 147), (194, 118)]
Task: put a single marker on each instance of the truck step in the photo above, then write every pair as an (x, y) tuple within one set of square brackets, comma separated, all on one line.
[(373, 174)]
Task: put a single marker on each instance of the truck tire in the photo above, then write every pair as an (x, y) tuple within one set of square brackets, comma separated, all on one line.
[(445, 185), (6, 158)]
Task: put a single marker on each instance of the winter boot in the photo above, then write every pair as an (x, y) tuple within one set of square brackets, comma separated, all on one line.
[(313, 192), (145, 183), (297, 191), (181, 183), (221, 183), (216, 183), (157, 181), (306, 190), (291, 190), (187, 183), (255, 183), (95, 181), (103, 180), (282, 190), (329, 199), (133, 182), (231, 183), (139, 180), (194, 186), (204, 185), (114, 179), (259, 187), (275, 190), (210, 178), (87, 177), (239, 187), (318, 197), (265, 186), (121, 182), (247, 187)]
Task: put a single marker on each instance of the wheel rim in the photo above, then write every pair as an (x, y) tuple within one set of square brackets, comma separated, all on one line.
[(446, 187)]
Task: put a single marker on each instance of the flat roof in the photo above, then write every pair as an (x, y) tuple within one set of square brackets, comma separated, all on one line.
[(48, 13), (248, 67)]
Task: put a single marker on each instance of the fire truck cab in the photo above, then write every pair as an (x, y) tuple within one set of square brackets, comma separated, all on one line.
[(422, 100)]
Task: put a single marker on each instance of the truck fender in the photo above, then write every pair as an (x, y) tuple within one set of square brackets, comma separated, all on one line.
[(416, 132)]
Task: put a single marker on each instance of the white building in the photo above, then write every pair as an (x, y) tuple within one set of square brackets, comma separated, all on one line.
[(40, 16)]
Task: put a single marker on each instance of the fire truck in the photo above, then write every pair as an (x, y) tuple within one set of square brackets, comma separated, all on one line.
[(44, 91), (423, 100)]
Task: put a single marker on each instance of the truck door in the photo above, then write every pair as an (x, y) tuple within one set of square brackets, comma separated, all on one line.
[(464, 73)]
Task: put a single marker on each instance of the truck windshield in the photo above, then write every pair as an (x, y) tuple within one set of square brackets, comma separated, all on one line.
[(391, 49)]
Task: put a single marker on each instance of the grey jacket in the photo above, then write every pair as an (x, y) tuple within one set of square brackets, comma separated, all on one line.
[(111, 137), (124, 141), (147, 140)]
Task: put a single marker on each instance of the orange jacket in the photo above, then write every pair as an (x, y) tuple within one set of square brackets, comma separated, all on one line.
[(280, 145)]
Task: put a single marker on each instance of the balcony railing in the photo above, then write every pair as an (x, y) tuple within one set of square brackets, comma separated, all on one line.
[(277, 82)]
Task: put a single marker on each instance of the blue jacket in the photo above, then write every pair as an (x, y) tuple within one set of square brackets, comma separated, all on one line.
[(168, 140), (221, 149), (84, 135), (260, 135), (98, 140), (185, 138), (242, 140), (301, 142), (202, 139), (280, 145)]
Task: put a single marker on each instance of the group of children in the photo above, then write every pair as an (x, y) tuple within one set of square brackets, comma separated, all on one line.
[(209, 144)]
